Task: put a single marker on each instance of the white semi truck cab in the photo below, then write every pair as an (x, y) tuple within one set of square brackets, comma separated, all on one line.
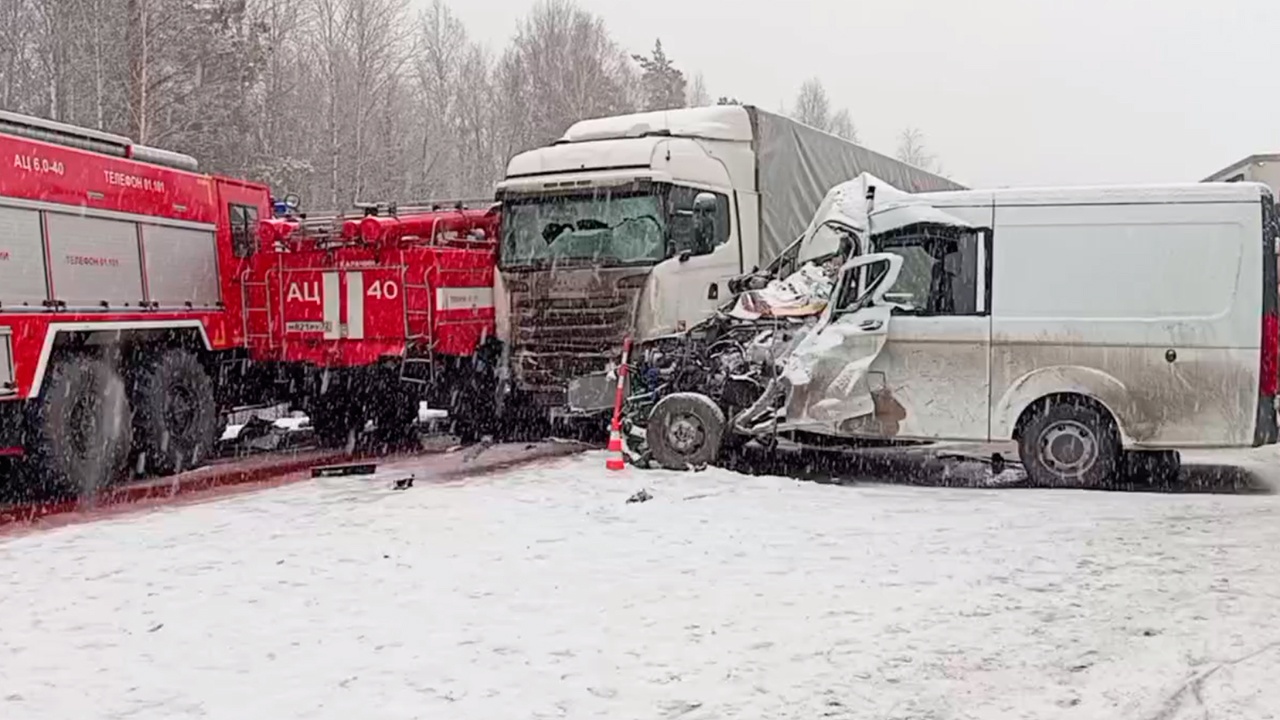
[(633, 225)]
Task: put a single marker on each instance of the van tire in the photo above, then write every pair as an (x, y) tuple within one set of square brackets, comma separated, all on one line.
[(175, 418), (80, 430), (685, 430), (1070, 442)]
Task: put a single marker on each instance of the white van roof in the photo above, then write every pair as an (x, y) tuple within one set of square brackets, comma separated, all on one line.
[(1103, 194)]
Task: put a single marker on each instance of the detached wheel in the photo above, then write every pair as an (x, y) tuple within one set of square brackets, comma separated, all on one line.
[(685, 429), (81, 426), (1070, 443), (174, 414)]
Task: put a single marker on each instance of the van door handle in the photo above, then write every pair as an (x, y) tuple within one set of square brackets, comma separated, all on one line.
[(870, 325)]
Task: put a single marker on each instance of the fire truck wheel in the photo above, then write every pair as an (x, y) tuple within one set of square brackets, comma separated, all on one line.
[(334, 418), (394, 420), (81, 427), (175, 417)]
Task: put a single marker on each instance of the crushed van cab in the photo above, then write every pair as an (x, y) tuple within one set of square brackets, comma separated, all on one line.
[(1086, 324)]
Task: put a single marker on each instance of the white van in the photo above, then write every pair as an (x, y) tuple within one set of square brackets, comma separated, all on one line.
[(1079, 322)]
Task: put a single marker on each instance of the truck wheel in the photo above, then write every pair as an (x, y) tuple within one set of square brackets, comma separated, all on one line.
[(80, 430), (1070, 443), (685, 430), (175, 416)]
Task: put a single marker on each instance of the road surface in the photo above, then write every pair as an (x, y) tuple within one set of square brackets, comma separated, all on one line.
[(540, 592)]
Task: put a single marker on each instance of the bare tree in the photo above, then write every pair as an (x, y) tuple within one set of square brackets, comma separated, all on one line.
[(697, 95), (328, 98), (562, 66), (812, 106), (841, 124), (912, 150)]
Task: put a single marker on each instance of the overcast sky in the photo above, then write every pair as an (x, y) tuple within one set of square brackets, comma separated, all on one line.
[(1008, 92)]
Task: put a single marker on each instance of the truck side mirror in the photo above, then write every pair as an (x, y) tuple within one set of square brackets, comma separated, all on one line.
[(704, 222)]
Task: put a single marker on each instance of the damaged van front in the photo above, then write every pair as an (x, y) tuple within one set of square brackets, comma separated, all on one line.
[(790, 353)]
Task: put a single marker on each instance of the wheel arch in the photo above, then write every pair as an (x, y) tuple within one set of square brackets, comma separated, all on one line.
[(67, 337), (1028, 394)]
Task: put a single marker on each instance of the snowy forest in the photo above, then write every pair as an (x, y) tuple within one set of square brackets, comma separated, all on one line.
[(346, 100)]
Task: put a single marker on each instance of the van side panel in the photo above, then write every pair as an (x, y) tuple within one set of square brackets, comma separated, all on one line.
[(1153, 309)]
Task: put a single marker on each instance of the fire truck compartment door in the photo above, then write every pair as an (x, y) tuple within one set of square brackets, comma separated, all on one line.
[(94, 261), (22, 273), (182, 266)]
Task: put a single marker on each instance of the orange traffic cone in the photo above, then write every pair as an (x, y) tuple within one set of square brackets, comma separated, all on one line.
[(616, 460)]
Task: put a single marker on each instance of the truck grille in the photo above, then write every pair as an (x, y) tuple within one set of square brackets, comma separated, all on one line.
[(557, 337)]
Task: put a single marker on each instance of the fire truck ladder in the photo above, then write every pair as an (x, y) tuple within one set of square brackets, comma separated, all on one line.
[(424, 316), (248, 307)]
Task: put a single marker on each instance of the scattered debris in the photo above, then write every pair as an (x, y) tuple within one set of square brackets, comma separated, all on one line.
[(474, 451), (642, 496), (343, 470)]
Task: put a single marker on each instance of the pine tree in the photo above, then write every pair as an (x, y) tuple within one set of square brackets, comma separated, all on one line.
[(663, 84)]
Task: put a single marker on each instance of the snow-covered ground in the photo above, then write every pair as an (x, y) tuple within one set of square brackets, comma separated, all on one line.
[(541, 592)]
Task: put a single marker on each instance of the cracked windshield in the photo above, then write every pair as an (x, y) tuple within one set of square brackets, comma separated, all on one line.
[(601, 229), (692, 360)]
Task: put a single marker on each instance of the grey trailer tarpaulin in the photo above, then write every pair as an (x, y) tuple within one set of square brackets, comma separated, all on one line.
[(796, 165)]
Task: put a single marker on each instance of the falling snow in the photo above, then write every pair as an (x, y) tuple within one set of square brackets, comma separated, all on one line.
[(541, 592)]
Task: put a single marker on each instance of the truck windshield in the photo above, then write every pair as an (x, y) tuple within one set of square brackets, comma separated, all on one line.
[(602, 228)]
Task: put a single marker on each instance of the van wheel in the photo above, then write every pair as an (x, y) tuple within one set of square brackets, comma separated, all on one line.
[(1070, 443), (685, 430), (82, 426), (174, 413)]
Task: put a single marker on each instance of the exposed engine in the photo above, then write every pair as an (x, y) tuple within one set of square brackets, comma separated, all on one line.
[(732, 361)]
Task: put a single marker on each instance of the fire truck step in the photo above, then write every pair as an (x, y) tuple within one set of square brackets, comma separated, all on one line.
[(341, 470)]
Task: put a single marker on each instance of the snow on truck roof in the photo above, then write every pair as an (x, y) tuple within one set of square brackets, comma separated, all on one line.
[(1102, 194), (724, 122)]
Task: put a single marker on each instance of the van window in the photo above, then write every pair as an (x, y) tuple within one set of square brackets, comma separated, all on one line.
[(939, 271), (244, 224)]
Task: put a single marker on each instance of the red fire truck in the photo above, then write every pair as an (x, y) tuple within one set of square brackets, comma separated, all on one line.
[(139, 299)]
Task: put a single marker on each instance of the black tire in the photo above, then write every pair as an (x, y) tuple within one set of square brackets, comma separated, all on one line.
[(1070, 443), (685, 430), (335, 419), (1158, 468), (395, 419), (175, 414), (80, 430)]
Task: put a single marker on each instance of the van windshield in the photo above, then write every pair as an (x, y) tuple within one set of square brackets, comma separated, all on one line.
[(603, 228)]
